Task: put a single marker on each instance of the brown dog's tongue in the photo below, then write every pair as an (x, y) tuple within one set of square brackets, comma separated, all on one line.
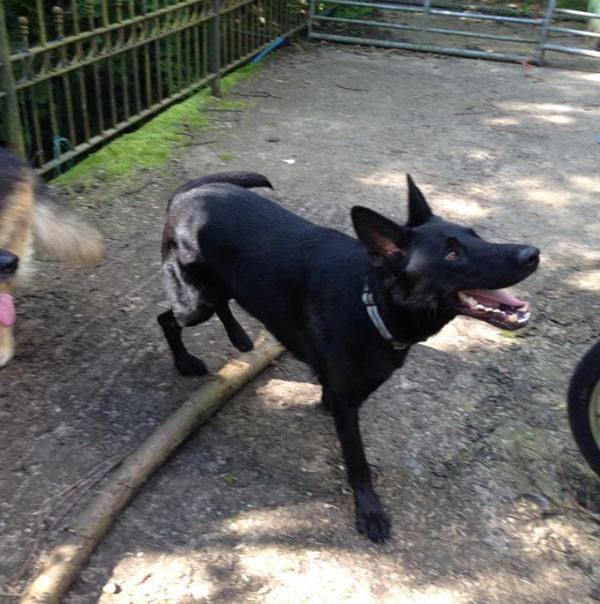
[(7, 310)]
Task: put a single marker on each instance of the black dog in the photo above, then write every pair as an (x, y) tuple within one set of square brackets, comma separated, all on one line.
[(350, 309)]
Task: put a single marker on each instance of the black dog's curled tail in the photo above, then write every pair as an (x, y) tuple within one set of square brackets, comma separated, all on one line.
[(248, 180)]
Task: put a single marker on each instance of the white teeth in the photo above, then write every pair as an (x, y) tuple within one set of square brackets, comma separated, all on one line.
[(520, 317), (467, 299)]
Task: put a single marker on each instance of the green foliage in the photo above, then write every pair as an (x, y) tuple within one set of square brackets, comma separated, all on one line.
[(573, 4), (152, 144), (345, 11)]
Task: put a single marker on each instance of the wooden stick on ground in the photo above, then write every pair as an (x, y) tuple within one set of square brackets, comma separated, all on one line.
[(70, 555)]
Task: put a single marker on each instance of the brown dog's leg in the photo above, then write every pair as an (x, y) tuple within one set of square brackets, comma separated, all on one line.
[(7, 345)]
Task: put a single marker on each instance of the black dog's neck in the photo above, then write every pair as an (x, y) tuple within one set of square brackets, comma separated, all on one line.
[(406, 325)]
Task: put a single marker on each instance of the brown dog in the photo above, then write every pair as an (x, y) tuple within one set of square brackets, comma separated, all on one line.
[(27, 208)]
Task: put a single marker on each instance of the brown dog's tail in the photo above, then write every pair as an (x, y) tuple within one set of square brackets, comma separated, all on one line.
[(62, 234), (248, 180)]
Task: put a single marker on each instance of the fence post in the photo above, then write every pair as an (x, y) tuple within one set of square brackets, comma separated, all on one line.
[(214, 46), (425, 22), (14, 132), (544, 29)]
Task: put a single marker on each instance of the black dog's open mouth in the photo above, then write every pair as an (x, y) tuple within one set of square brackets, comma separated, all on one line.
[(495, 306)]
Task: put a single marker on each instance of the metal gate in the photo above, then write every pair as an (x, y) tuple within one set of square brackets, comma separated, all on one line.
[(485, 30)]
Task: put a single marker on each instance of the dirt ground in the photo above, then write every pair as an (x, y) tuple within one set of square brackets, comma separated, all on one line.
[(469, 441)]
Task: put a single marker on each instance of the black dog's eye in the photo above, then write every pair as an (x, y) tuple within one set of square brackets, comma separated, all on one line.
[(452, 254)]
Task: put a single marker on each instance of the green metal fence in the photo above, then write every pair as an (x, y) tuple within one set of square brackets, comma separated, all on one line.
[(78, 73)]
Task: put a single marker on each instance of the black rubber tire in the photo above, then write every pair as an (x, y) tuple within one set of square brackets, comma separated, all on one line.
[(583, 382)]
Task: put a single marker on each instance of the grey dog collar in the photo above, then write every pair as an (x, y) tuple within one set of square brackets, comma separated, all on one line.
[(373, 312)]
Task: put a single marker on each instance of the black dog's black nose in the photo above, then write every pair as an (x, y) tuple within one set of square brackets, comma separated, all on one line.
[(8, 262), (528, 257)]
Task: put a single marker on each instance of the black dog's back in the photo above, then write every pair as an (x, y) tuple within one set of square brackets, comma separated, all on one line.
[(279, 267)]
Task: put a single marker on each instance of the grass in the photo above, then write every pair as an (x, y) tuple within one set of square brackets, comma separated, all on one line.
[(227, 156), (153, 143), (573, 4), (351, 12)]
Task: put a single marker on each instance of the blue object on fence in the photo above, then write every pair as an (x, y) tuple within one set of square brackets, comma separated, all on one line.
[(598, 140), (259, 57), (57, 143)]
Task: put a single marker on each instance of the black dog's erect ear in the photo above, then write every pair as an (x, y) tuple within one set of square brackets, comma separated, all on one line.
[(419, 211), (378, 233)]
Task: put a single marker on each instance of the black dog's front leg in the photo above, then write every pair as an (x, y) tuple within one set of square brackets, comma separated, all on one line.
[(371, 520)]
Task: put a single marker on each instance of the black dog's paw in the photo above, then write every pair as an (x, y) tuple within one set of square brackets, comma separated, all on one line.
[(372, 521), (242, 341), (191, 365)]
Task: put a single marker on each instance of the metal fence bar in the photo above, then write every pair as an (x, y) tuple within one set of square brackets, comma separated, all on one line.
[(436, 30), (574, 32), (576, 13), (137, 93), (37, 131), (473, 34), (147, 67), (397, 7), (14, 131), (214, 47), (485, 17), (448, 50), (367, 22), (584, 52), (437, 11)]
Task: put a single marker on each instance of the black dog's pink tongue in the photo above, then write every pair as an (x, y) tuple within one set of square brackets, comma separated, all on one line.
[(495, 297)]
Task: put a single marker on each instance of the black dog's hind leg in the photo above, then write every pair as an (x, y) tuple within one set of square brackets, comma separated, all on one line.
[(186, 363), (371, 520), (237, 336), (325, 395), (193, 300)]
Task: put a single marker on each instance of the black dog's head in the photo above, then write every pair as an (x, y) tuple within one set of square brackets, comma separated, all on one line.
[(8, 265), (433, 264)]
